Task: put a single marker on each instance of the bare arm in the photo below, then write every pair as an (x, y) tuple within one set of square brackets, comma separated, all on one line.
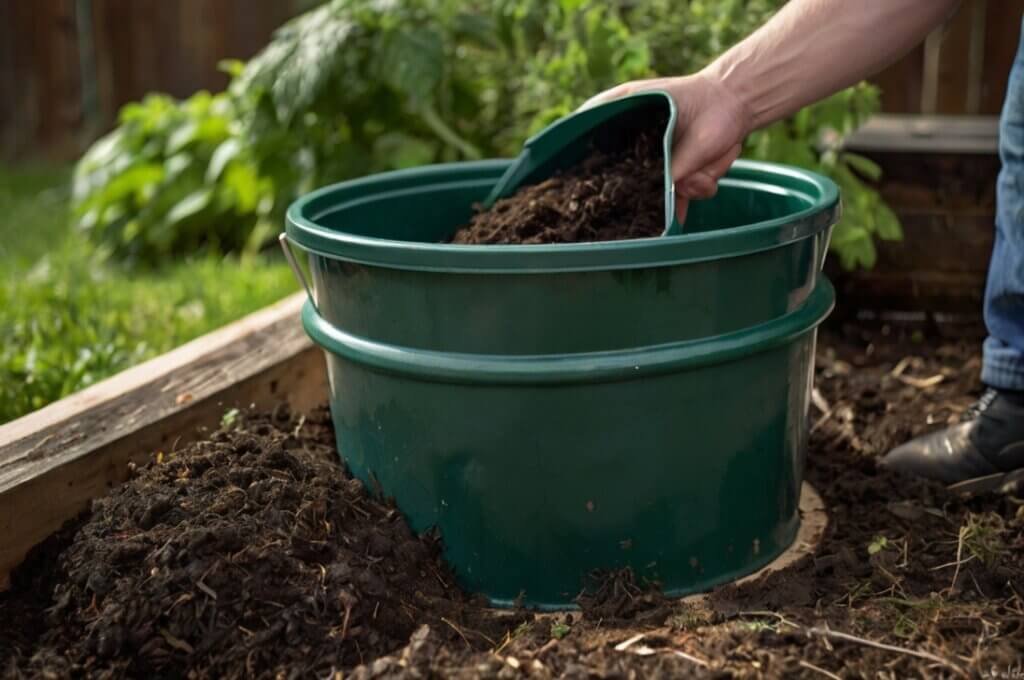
[(813, 48), (807, 51)]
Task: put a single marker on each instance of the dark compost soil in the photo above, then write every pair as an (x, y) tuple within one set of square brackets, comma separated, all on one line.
[(616, 192), (254, 554)]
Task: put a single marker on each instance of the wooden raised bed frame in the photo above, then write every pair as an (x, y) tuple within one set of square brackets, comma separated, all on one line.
[(55, 461)]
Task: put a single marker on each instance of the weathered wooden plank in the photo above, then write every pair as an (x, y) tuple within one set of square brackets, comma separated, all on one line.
[(1002, 35), (54, 461), (927, 134), (897, 291), (941, 243), (946, 203)]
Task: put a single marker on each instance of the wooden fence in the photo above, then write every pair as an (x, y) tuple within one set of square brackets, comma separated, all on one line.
[(67, 66), (961, 68)]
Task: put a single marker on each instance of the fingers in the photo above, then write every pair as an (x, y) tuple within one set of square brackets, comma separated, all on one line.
[(703, 183), (620, 91), (682, 204), (701, 146), (698, 185), (722, 165), (602, 97)]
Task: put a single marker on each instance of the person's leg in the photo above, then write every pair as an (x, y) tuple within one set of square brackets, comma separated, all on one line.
[(1003, 366), (986, 450)]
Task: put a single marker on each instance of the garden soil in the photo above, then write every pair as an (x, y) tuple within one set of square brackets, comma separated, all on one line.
[(255, 554), (616, 192)]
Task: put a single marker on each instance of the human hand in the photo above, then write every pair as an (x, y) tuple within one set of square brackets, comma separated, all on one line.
[(710, 128)]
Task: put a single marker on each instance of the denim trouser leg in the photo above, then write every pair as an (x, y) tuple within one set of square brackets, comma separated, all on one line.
[(1003, 366)]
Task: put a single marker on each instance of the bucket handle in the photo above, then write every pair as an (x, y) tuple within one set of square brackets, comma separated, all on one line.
[(296, 269)]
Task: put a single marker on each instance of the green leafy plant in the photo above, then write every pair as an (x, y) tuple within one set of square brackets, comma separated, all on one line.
[(172, 179), (360, 86), (813, 139)]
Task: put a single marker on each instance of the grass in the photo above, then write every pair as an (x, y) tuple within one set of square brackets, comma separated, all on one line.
[(69, 318), (982, 536)]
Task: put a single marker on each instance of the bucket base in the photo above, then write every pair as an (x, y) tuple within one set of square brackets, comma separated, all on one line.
[(813, 523)]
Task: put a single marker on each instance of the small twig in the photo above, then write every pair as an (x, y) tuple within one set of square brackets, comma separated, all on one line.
[(1016, 598), (955, 563), (298, 428), (457, 630), (977, 586), (846, 637), (825, 417), (543, 649), (827, 634), (819, 401), (921, 383), (644, 650), (898, 369), (776, 615), (959, 554), (344, 622), (689, 657), (206, 589), (816, 669), (503, 645), (626, 644)]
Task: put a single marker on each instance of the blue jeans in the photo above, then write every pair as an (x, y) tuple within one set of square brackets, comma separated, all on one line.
[(1003, 365)]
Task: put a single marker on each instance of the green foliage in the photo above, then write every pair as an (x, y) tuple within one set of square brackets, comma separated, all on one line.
[(879, 544), (350, 88), (559, 630), (813, 139), (360, 86), (68, 318), (229, 418), (172, 179), (565, 52)]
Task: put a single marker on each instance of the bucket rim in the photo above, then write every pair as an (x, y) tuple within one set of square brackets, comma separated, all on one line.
[(302, 228), (584, 367)]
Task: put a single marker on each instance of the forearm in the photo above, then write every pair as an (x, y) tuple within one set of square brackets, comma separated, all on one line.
[(812, 48)]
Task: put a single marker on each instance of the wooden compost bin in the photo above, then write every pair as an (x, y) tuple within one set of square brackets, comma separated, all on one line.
[(939, 176)]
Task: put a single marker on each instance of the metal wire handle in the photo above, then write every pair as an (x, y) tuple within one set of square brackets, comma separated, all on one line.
[(296, 269)]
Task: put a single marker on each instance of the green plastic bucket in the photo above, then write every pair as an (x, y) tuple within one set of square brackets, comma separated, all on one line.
[(556, 410)]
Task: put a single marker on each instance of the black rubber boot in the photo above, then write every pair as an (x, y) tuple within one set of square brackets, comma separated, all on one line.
[(984, 452)]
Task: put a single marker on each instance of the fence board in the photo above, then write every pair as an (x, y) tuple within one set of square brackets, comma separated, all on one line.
[(946, 203), (136, 47), (39, 76), (902, 84)]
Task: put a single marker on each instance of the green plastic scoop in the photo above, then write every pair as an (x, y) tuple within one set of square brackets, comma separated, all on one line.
[(566, 141)]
